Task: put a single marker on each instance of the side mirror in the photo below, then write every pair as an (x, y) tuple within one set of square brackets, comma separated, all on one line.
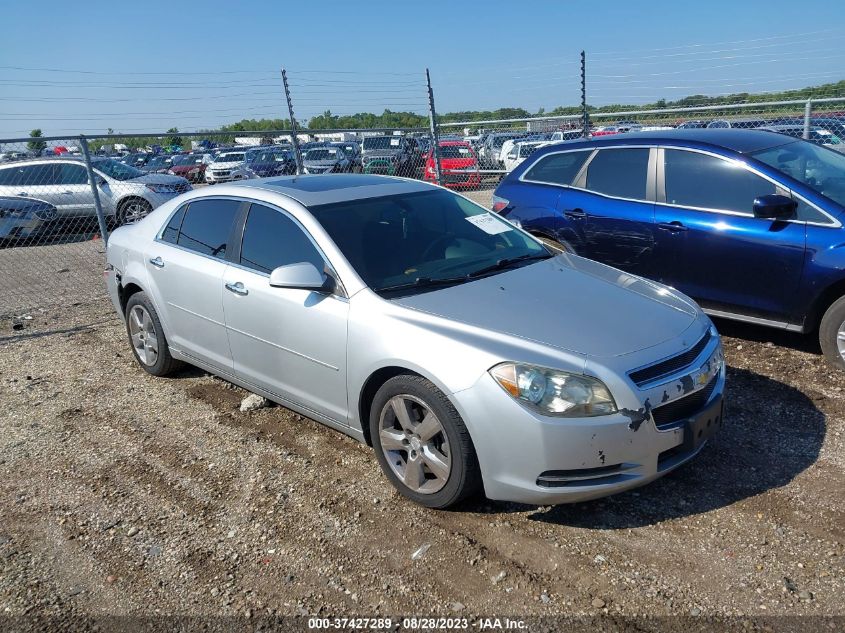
[(302, 276), (775, 207)]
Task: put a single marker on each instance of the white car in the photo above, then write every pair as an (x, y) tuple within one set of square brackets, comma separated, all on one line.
[(519, 153), (228, 166)]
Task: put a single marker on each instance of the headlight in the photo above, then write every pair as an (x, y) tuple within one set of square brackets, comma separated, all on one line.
[(553, 392), (162, 188)]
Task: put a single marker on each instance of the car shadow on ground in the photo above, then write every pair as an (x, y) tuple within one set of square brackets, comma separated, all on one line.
[(808, 343), (772, 433)]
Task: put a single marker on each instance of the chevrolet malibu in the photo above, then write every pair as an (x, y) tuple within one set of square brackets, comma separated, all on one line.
[(408, 317)]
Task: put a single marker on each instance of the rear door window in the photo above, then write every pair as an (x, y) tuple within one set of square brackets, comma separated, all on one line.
[(557, 169), (207, 226), (621, 173)]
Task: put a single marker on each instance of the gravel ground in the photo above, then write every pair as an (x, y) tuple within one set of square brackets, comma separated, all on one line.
[(125, 494)]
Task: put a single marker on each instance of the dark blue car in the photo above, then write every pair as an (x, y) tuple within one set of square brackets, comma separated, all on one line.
[(749, 223)]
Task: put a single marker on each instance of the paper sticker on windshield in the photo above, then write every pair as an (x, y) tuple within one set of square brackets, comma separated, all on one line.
[(394, 142), (489, 224)]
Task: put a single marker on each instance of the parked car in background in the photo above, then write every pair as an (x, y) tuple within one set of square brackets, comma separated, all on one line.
[(190, 166), (833, 124), (692, 125), (136, 159), (386, 155), (352, 151), (818, 135), (159, 164), (126, 193), (520, 152), (458, 165), (749, 223), (411, 319), (509, 144), (746, 124), (23, 218), (276, 161), (227, 166), (566, 135), (325, 160), (490, 153)]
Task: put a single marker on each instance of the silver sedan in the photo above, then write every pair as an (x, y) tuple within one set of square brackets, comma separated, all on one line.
[(407, 316)]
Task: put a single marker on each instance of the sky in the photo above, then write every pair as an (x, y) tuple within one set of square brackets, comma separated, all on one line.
[(84, 67)]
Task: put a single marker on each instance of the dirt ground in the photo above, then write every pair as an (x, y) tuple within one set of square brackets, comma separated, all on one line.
[(125, 494)]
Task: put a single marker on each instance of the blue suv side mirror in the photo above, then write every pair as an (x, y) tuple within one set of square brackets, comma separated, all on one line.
[(774, 206)]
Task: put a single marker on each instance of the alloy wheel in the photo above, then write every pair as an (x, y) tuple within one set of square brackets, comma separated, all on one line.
[(840, 339), (415, 444), (143, 335)]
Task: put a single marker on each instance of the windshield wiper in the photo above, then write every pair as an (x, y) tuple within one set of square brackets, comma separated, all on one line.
[(424, 282), (506, 262)]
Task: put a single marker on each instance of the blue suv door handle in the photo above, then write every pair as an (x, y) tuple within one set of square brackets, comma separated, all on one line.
[(674, 227), (575, 214)]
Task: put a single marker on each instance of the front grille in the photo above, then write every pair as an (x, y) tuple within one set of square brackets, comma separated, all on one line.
[(683, 408), (670, 365)]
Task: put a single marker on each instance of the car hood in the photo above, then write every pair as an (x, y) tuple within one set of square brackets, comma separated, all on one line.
[(159, 179), (566, 302), (320, 163), (457, 163), (232, 165), (380, 153)]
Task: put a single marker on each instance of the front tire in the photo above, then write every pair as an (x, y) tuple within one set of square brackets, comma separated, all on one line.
[(421, 443), (832, 334), (146, 336)]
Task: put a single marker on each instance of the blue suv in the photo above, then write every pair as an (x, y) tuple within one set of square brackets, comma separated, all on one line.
[(749, 223)]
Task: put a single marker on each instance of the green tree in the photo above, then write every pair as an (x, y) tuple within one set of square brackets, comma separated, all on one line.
[(36, 146), (174, 140)]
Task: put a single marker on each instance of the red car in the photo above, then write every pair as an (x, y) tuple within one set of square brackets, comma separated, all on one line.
[(458, 165), (190, 166)]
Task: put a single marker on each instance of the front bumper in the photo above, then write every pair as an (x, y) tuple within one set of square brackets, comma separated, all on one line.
[(526, 457)]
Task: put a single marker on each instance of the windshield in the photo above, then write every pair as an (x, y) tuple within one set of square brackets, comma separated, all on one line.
[(158, 161), (116, 170), (230, 158), (187, 159), (322, 154), (382, 142), (455, 151), (821, 169), (269, 157), (436, 234)]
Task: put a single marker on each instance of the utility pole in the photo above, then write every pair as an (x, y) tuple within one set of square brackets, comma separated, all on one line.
[(585, 123), (293, 131), (432, 121)]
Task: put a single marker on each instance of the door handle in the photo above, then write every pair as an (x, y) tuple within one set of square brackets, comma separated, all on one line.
[(575, 214), (237, 287), (158, 262), (673, 227), (22, 193), (67, 193)]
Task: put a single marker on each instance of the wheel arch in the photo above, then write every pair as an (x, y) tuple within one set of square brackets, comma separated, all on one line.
[(822, 302)]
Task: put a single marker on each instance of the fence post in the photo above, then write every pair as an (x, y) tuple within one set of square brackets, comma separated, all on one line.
[(432, 121), (808, 111), (95, 190), (585, 123), (293, 130)]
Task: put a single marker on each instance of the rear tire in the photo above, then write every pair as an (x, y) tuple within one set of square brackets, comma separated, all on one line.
[(832, 334), (146, 336), (426, 453), (132, 210)]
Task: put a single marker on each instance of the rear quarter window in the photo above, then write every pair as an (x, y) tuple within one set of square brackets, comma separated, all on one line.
[(557, 169)]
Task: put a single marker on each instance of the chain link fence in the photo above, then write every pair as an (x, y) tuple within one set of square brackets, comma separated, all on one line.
[(60, 197)]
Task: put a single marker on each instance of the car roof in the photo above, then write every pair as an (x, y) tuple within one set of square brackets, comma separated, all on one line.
[(317, 189), (737, 140)]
